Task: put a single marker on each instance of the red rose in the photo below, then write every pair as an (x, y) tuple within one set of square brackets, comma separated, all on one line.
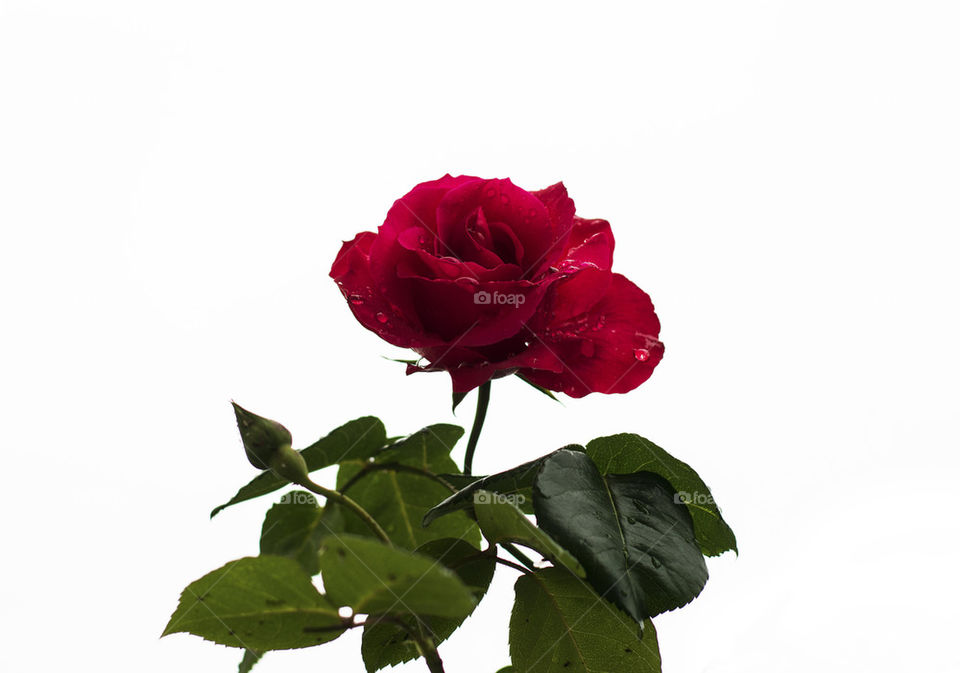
[(484, 279)]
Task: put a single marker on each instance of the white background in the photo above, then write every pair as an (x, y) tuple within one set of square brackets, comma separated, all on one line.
[(176, 178)]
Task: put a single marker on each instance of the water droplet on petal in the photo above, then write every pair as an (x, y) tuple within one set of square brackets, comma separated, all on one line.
[(381, 318), (642, 354), (491, 192), (504, 199), (355, 299), (587, 348)]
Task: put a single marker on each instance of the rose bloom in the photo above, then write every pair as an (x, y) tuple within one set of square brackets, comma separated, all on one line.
[(484, 279)]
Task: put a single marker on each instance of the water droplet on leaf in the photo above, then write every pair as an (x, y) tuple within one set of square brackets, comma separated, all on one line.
[(655, 561)]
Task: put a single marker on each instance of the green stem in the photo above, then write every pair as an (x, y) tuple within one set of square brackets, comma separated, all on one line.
[(430, 653), (519, 555), (428, 649), (511, 564), (396, 467), (483, 399), (350, 504)]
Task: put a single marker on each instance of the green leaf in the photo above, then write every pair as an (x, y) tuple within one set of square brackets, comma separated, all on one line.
[(625, 453), (506, 669), (548, 393), (560, 625), (387, 644), (501, 521), (634, 541), (262, 603), (357, 439), (295, 527), (515, 481), (250, 658), (373, 578), (398, 500)]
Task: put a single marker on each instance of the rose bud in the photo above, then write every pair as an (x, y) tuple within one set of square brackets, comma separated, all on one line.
[(484, 279), (262, 438)]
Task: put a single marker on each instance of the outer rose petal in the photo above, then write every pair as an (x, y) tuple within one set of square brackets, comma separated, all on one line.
[(586, 264), (470, 368), (612, 348), (351, 270), (561, 209)]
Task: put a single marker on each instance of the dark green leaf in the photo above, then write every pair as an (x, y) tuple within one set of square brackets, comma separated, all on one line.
[(626, 453), (262, 603), (501, 521), (373, 578), (388, 644), (357, 439), (398, 500), (560, 625), (517, 480), (294, 528), (634, 541), (250, 658)]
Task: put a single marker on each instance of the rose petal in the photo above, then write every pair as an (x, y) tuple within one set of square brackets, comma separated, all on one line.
[(561, 209), (469, 313), (469, 368), (351, 270), (502, 202), (586, 267), (426, 265), (612, 348)]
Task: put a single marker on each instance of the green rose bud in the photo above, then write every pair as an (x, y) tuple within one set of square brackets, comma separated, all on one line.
[(262, 438), (289, 464)]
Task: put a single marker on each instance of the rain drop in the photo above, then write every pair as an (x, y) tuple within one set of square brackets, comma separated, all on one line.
[(642, 354), (356, 299), (381, 318), (655, 561), (587, 348), (630, 519)]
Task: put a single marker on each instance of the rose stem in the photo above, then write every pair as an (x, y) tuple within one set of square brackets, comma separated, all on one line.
[(519, 555), (350, 504), (483, 399)]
